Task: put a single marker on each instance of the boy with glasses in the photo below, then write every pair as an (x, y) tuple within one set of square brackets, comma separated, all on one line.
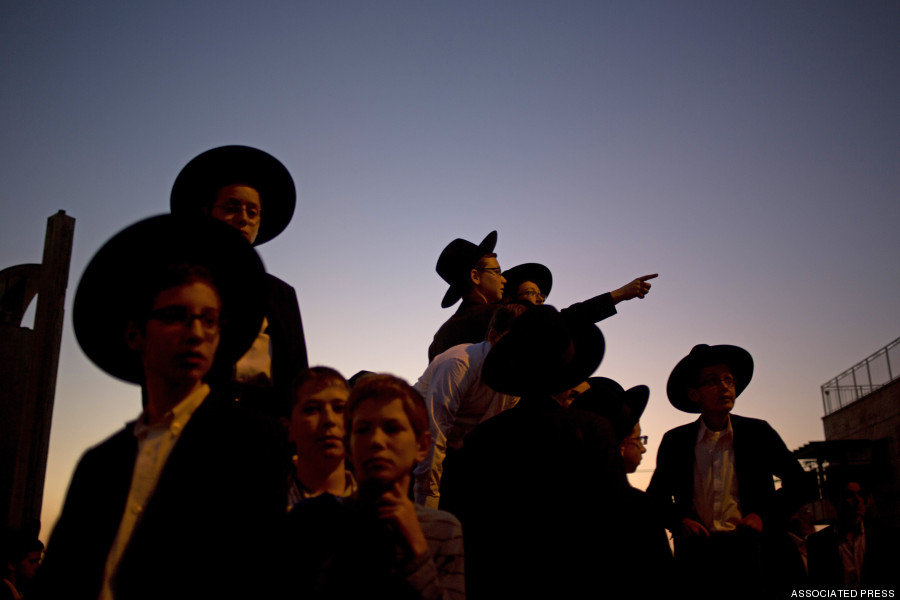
[(252, 192), (181, 502), (714, 477)]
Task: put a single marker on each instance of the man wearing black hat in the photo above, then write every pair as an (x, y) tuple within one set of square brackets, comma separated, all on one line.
[(714, 477), (182, 502), (253, 192), (540, 480), (473, 273)]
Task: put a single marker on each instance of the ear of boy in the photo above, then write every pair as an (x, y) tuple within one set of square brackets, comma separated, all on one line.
[(133, 337), (424, 445)]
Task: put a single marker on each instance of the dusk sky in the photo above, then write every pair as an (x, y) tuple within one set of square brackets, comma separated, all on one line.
[(748, 152)]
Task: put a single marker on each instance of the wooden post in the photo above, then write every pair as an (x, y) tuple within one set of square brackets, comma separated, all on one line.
[(37, 413)]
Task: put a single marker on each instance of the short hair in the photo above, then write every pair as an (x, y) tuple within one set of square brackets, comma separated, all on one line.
[(320, 377), (359, 375), (20, 547), (211, 191), (385, 387), (484, 256), (504, 316), (167, 277), (703, 364)]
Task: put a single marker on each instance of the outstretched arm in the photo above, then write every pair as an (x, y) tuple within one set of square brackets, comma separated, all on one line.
[(637, 288)]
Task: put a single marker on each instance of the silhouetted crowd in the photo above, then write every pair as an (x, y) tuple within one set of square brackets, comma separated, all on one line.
[(501, 473)]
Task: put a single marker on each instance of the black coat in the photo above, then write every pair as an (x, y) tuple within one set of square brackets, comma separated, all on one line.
[(469, 324), (206, 530), (759, 453), (285, 330), (540, 495)]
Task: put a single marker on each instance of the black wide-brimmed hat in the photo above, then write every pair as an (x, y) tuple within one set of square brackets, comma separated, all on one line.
[(609, 399), (543, 353), (121, 277), (456, 262), (195, 187), (534, 272), (684, 375)]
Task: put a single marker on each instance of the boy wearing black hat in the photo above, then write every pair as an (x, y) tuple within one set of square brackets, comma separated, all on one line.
[(714, 477), (251, 191), (181, 502), (473, 273), (646, 546), (539, 482)]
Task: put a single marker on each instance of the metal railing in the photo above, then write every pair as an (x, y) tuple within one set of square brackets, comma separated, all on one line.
[(863, 378)]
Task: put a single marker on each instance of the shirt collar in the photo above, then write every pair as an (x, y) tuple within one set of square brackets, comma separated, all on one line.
[(707, 434), (176, 419)]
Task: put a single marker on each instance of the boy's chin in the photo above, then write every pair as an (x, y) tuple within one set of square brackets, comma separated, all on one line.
[(375, 486)]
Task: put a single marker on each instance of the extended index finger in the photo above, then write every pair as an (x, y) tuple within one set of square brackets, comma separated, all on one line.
[(646, 277)]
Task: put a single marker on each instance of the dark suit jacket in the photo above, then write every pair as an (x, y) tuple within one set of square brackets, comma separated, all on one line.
[(759, 453), (286, 331), (207, 528), (540, 495), (289, 357), (469, 324)]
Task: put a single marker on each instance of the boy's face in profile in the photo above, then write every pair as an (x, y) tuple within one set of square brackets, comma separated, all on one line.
[(530, 292), (28, 566), (317, 421), (383, 444), (179, 341), (633, 450), (487, 279)]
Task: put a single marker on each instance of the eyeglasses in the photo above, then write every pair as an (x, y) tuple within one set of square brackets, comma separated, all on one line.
[(210, 322), (640, 440), (533, 294), (492, 270), (727, 381), (233, 208)]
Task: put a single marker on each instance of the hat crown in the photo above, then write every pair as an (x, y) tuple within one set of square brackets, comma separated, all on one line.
[(196, 185), (609, 399), (457, 259), (116, 281), (543, 353), (537, 273), (684, 375)]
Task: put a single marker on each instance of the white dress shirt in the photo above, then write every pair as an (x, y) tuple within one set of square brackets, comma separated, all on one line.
[(716, 499), (155, 443)]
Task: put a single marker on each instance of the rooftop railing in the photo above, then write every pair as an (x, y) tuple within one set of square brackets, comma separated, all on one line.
[(863, 378)]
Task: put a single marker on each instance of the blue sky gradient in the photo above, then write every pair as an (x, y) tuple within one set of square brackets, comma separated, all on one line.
[(747, 152)]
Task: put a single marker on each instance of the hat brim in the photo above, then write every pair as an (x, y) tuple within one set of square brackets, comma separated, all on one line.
[(534, 272), (637, 399), (196, 185), (683, 376), (457, 289), (115, 285), (622, 407), (544, 352)]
